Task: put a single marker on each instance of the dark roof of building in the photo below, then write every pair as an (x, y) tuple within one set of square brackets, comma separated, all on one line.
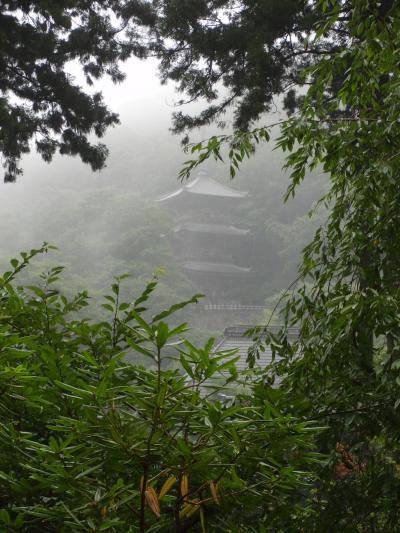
[(237, 337), (212, 228), (205, 186), (242, 331), (216, 268)]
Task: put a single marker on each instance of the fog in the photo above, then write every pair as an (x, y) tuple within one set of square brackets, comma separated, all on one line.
[(109, 222)]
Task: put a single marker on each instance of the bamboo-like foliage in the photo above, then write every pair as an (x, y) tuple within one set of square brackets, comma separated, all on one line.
[(346, 299), (108, 426)]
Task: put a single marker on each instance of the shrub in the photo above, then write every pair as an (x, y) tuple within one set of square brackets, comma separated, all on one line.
[(99, 432)]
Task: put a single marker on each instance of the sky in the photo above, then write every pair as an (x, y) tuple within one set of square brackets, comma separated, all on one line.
[(140, 101), (145, 110)]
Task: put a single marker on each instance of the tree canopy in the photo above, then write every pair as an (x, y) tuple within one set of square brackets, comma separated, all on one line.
[(38, 98), (251, 49), (346, 298), (236, 54)]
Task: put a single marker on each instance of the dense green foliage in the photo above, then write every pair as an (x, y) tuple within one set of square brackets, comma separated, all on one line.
[(39, 99), (92, 440), (350, 317), (92, 437), (346, 302), (254, 50)]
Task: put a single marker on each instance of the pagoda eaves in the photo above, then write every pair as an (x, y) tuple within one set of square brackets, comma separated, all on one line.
[(204, 186)]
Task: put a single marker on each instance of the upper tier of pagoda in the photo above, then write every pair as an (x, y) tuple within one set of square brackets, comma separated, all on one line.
[(203, 186)]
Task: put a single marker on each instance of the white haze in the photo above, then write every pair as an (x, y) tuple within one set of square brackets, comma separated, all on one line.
[(145, 158)]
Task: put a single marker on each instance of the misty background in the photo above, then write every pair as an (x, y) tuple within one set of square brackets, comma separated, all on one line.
[(109, 223)]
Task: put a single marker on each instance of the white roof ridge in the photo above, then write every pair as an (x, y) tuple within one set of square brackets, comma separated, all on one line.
[(204, 185)]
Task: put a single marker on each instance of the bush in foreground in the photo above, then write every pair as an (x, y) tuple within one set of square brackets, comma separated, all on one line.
[(100, 432)]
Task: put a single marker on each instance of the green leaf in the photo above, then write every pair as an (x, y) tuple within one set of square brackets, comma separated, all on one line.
[(186, 365), (140, 349), (176, 307), (161, 334)]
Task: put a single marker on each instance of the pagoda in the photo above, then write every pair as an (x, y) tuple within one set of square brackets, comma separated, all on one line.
[(215, 252)]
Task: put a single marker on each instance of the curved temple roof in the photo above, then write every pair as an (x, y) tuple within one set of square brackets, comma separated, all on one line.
[(203, 185), (241, 339)]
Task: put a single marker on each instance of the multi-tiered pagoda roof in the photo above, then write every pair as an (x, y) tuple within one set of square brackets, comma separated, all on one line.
[(214, 252)]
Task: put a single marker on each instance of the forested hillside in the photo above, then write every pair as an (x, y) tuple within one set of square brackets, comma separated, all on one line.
[(111, 223)]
